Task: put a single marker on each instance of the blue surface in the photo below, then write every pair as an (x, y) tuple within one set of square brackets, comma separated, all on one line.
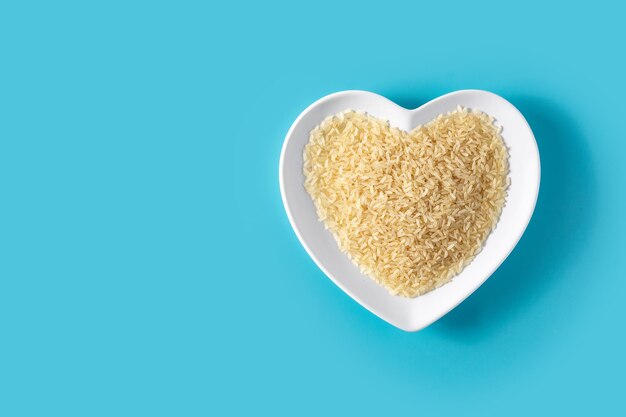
[(146, 263)]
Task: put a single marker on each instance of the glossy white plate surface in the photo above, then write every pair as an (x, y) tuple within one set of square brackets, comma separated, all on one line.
[(412, 314)]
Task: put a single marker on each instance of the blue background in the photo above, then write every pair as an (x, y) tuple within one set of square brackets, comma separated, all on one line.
[(146, 263)]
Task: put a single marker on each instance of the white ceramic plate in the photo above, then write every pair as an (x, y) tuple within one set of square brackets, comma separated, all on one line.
[(416, 313)]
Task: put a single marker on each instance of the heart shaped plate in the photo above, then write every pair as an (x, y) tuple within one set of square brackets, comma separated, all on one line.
[(412, 314)]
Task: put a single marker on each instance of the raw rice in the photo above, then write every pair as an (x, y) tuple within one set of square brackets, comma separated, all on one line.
[(411, 209)]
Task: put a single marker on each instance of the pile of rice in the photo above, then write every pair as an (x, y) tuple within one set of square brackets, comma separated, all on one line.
[(411, 209)]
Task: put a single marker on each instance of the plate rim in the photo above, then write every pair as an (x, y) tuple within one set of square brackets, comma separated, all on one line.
[(330, 275)]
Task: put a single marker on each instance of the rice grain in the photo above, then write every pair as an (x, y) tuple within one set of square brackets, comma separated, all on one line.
[(411, 209)]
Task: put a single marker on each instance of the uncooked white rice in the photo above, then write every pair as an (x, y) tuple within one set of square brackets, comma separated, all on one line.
[(410, 209)]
